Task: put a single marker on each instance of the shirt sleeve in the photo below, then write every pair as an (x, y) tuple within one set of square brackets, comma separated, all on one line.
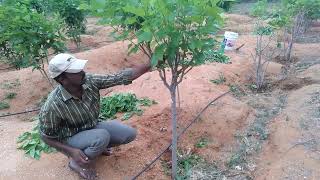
[(49, 123), (123, 77)]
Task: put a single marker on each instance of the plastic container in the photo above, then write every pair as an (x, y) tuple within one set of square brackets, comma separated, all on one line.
[(230, 40)]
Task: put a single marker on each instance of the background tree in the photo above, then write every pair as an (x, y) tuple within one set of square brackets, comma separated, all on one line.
[(27, 36), (293, 17), (266, 44), (73, 17), (32, 28)]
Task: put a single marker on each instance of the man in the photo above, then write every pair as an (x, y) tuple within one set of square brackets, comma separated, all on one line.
[(69, 118)]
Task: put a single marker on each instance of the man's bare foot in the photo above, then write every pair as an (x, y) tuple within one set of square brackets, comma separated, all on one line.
[(107, 152), (85, 173)]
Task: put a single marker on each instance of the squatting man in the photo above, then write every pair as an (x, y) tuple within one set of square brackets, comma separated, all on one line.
[(69, 119)]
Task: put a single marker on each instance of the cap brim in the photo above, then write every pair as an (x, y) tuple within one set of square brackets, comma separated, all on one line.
[(76, 66)]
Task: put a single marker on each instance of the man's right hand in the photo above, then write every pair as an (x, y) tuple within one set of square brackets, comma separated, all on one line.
[(79, 157)]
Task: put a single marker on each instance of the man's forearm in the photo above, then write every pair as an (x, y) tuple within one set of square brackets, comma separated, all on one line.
[(65, 149), (140, 70)]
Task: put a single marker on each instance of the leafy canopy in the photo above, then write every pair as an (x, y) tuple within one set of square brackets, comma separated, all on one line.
[(29, 28), (73, 17), (284, 14), (26, 35), (168, 29)]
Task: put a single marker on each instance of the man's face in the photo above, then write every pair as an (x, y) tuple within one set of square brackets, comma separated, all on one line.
[(74, 79)]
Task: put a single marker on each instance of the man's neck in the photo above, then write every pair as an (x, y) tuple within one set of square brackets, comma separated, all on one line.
[(75, 91)]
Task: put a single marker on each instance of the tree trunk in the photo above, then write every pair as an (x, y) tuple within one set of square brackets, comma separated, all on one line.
[(174, 158), (259, 65), (289, 49), (299, 28), (44, 74)]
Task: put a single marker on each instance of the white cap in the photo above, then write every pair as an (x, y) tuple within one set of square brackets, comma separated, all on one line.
[(65, 63)]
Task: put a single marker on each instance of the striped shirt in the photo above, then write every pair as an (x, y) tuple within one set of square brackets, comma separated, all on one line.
[(63, 115)]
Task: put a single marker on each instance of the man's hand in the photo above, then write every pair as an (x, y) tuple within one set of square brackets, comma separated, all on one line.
[(79, 157), (76, 154), (140, 70)]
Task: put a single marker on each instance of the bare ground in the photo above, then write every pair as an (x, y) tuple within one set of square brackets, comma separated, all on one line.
[(291, 150)]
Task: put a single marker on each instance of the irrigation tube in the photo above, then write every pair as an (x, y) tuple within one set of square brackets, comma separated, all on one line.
[(23, 112), (188, 126)]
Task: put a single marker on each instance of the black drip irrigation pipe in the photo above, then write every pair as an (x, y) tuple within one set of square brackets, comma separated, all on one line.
[(188, 126), (23, 112)]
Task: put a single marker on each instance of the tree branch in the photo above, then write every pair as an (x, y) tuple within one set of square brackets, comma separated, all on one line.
[(139, 45), (184, 72), (162, 74), (149, 48)]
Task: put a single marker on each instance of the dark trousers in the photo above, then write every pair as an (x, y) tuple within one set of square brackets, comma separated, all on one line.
[(106, 134)]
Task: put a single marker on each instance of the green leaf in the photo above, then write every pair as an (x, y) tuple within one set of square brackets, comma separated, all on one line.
[(127, 115), (123, 102), (196, 43), (32, 144), (144, 36), (23, 137), (32, 151), (37, 154), (157, 55), (134, 10), (130, 20)]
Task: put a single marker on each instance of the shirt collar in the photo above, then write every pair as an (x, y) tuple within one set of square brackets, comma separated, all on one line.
[(66, 95)]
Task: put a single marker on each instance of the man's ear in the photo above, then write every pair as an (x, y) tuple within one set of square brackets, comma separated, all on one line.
[(60, 78)]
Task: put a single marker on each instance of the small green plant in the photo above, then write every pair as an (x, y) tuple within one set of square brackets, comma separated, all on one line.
[(253, 87), (4, 105), (220, 80), (235, 89), (126, 103), (10, 95), (203, 142), (185, 164), (10, 85), (239, 158), (30, 142), (216, 56)]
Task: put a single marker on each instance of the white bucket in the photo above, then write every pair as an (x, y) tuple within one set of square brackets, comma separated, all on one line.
[(230, 40)]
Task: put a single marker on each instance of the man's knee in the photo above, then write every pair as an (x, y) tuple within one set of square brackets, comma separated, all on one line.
[(132, 134), (101, 138)]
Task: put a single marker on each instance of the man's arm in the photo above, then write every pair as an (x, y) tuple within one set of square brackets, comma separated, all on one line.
[(140, 70), (74, 153), (49, 124), (123, 77)]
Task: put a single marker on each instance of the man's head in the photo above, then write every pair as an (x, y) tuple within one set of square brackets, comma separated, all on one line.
[(67, 69)]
